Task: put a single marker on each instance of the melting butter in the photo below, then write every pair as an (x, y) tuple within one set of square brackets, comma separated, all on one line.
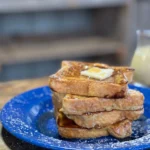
[(97, 73)]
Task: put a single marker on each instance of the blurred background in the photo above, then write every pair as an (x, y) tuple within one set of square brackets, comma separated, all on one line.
[(36, 35)]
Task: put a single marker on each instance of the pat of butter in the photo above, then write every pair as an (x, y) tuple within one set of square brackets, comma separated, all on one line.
[(97, 73)]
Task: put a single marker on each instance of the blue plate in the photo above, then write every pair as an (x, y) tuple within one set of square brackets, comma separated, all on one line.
[(29, 116)]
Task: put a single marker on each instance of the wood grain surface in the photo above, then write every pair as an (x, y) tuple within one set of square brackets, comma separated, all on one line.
[(12, 88)]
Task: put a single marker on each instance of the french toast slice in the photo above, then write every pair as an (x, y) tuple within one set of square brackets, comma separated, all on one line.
[(69, 80), (78, 105), (97, 119), (68, 129), (102, 119), (128, 71)]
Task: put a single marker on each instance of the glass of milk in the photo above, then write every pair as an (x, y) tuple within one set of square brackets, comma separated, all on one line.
[(141, 58)]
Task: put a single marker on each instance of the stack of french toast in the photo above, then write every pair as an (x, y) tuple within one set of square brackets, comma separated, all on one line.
[(93, 100)]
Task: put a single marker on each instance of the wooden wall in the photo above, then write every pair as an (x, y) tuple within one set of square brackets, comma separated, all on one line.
[(143, 14)]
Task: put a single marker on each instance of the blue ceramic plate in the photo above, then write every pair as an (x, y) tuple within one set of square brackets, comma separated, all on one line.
[(29, 116)]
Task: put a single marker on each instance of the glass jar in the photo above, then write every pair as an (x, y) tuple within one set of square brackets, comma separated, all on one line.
[(141, 58)]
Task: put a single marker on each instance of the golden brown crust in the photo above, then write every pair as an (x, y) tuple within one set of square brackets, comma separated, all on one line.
[(81, 133), (87, 87), (102, 119), (120, 130), (57, 102), (69, 80), (78, 105), (101, 65), (128, 71)]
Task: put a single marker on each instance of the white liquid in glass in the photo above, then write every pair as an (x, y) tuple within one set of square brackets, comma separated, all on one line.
[(141, 64)]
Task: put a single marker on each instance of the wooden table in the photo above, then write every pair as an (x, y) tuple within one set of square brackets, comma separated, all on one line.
[(7, 91)]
